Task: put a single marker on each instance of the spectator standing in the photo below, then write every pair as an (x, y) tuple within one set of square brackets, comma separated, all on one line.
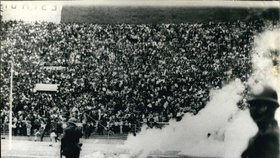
[(36, 134), (53, 136), (265, 144), (70, 142), (28, 128), (45, 126)]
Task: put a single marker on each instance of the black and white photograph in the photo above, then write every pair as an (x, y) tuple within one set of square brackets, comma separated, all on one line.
[(140, 79)]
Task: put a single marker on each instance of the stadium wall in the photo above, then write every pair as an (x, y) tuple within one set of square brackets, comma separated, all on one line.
[(141, 11), (150, 15)]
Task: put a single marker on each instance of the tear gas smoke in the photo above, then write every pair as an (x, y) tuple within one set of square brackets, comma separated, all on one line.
[(220, 129), (202, 134), (266, 63)]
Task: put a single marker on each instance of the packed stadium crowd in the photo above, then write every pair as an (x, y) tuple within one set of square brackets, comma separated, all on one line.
[(118, 77)]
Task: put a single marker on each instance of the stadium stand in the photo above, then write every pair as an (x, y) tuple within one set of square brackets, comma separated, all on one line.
[(116, 77)]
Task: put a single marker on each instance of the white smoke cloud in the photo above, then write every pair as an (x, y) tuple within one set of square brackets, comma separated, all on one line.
[(194, 129), (237, 134), (265, 71), (230, 128), (262, 56)]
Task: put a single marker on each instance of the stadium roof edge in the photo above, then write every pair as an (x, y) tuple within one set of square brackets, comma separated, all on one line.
[(139, 11), (169, 3), (178, 3)]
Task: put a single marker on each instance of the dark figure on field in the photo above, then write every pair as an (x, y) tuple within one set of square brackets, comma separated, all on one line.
[(46, 127), (70, 141), (265, 144)]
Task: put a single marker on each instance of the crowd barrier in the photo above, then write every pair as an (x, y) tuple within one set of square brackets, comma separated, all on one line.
[(105, 130)]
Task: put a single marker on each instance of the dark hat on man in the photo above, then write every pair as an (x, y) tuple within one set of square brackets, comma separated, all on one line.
[(73, 121), (268, 97)]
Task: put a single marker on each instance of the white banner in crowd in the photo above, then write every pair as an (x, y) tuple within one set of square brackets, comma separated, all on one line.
[(54, 67), (31, 11), (46, 87)]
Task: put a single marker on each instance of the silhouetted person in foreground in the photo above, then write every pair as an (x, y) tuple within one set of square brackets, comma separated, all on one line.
[(70, 141), (265, 144)]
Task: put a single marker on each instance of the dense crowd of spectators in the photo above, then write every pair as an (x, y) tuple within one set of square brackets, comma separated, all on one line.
[(118, 76)]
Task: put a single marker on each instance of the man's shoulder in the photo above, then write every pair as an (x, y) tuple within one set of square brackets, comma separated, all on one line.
[(273, 129), (271, 134), (68, 129), (72, 129), (78, 128)]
